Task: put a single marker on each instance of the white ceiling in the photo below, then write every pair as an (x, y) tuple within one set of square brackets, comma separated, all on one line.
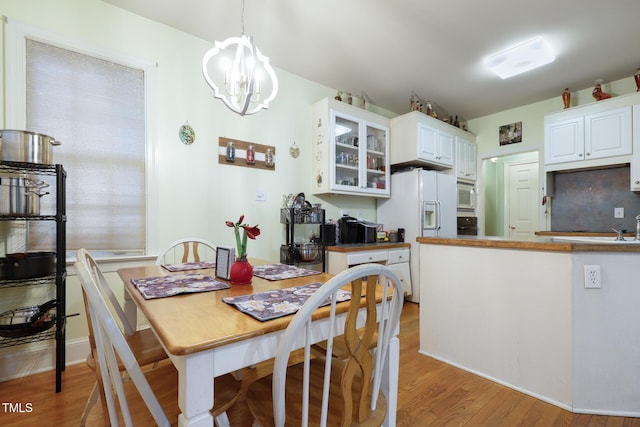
[(390, 48)]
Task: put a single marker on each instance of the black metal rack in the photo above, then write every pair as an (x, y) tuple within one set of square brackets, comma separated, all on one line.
[(290, 217), (59, 278)]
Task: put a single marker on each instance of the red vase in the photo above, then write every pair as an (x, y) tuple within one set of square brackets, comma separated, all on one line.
[(241, 272)]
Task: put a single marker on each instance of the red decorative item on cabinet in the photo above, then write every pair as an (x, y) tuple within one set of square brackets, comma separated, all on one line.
[(636, 77), (566, 98), (599, 94), (241, 272)]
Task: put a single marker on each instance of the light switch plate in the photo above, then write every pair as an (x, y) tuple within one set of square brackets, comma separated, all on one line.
[(618, 212), (261, 196)]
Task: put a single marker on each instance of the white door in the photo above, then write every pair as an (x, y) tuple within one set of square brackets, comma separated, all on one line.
[(522, 198)]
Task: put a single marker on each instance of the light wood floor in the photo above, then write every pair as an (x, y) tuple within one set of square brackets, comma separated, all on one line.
[(431, 393)]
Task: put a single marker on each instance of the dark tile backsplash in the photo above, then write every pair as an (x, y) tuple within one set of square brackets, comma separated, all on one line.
[(584, 201)]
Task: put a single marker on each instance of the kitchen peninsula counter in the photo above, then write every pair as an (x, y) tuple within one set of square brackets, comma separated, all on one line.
[(542, 243), (517, 311)]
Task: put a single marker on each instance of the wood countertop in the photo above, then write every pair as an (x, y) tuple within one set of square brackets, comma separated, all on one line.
[(581, 234), (359, 247), (543, 243)]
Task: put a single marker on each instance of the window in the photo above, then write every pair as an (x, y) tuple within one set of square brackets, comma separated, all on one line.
[(96, 107)]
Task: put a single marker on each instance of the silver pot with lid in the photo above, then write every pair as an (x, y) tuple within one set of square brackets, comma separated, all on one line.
[(25, 146), (20, 196)]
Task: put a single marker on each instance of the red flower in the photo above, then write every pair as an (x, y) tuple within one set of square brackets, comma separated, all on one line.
[(252, 232), (248, 231)]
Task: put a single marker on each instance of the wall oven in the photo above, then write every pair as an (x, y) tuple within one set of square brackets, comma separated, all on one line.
[(467, 225), (466, 196)]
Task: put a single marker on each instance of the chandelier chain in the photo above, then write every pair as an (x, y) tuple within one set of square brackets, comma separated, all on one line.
[(242, 18)]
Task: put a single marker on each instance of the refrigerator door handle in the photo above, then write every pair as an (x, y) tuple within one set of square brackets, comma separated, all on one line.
[(438, 214)]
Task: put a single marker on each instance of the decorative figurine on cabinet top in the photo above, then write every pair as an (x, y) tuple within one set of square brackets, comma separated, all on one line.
[(636, 77), (598, 93), (566, 98)]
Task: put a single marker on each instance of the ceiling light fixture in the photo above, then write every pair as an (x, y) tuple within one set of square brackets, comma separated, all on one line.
[(239, 74), (520, 58)]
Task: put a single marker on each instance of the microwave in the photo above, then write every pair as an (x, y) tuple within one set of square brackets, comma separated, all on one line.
[(466, 195)]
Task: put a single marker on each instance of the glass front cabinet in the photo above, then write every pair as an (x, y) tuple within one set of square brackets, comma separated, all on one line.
[(351, 150)]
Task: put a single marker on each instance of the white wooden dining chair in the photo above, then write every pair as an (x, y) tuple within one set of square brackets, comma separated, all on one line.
[(147, 397), (143, 343), (191, 249), (326, 390)]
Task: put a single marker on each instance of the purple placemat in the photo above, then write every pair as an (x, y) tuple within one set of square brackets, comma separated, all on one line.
[(279, 302), (189, 266), (166, 286), (281, 271)]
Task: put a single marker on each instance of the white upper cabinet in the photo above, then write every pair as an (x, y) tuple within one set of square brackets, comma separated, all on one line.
[(591, 136), (608, 133), (434, 145), (466, 155), (417, 139), (350, 150), (564, 140)]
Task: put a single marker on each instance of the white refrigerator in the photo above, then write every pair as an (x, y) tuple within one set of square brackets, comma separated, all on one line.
[(422, 202)]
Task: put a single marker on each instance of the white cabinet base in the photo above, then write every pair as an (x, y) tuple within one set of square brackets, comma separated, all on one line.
[(397, 259)]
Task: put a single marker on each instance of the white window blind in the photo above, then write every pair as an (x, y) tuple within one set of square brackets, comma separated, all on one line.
[(96, 108)]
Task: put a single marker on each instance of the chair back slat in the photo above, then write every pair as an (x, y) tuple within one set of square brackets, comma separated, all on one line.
[(111, 345), (98, 275), (191, 249), (354, 381)]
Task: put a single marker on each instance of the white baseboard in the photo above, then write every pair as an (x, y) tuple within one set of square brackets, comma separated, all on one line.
[(593, 411), (28, 359)]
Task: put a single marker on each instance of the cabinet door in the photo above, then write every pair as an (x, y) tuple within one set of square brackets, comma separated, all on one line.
[(444, 153), (465, 161), (346, 140), (435, 146), (361, 152), (635, 160), (564, 141), (404, 274), (608, 133), (374, 157), (427, 143), (472, 166)]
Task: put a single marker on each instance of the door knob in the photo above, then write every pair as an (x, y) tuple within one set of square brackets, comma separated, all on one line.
[(513, 227)]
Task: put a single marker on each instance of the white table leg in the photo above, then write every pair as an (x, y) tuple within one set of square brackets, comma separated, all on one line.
[(195, 389), (390, 381)]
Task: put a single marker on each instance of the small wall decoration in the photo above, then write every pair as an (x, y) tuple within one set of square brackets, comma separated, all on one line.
[(187, 134), (511, 133), (248, 154)]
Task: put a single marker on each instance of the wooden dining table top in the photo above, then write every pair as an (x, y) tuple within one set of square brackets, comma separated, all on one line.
[(190, 323)]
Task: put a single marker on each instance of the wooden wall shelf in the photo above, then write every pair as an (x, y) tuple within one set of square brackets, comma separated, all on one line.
[(241, 154)]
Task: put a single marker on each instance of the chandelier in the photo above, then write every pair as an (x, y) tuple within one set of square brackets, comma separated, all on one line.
[(239, 74)]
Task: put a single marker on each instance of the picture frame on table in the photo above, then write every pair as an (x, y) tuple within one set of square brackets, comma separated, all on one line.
[(225, 258)]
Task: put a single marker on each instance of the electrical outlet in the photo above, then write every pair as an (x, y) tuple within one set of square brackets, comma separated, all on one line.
[(592, 277), (618, 212)]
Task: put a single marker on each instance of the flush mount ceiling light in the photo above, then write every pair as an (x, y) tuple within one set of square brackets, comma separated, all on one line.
[(520, 58), (239, 74)]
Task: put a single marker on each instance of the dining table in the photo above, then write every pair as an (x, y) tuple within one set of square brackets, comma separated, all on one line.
[(206, 337)]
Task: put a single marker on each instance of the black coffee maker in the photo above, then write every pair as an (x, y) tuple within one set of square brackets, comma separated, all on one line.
[(348, 229)]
